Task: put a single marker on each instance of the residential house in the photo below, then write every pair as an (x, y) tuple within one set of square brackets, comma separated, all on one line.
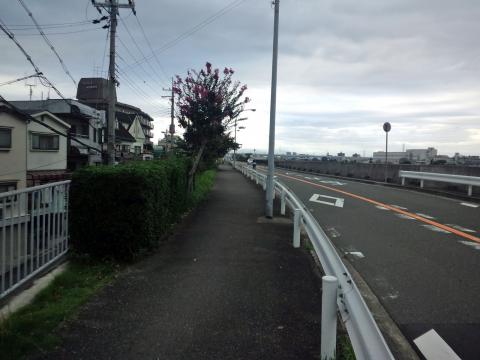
[(33, 147), (86, 128)]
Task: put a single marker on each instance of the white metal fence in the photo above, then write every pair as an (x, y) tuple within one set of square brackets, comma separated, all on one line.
[(470, 181), (33, 232), (367, 340)]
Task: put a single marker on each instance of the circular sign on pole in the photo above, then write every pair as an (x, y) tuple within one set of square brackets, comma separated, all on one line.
[(387, 127)]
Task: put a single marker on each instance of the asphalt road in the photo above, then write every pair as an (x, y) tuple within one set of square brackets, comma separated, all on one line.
[(419, 253)]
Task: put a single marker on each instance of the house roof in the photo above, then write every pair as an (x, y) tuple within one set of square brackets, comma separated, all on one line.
[(122, 134), (40, 113), (125, 118)]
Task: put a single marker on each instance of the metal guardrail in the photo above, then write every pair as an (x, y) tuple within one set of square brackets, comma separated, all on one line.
[(33, 232), (470, 181), (367, 340)]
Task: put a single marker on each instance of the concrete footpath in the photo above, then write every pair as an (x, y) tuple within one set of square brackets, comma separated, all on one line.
[(227, 285)]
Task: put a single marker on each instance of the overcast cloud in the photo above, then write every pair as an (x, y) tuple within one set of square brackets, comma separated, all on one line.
[(345, 66)]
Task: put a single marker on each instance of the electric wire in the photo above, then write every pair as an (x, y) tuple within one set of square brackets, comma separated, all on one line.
[(47, 41), (226, 9)]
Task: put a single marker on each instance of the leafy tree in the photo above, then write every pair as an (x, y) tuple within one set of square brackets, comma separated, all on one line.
[(207, 103)]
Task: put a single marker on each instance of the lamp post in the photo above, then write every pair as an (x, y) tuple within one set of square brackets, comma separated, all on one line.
[(273, 101), (235, 149), (386, 127)]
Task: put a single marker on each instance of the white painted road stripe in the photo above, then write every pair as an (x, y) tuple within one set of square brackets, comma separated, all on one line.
[(470, 205), (472, 244), (461, 228), (433, 347), (406, 217), (434, 228), (355, 253), (338, 201), (426, 216), (381, 207), (399, 207)]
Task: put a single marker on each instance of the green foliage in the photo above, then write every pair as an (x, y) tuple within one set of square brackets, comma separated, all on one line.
[(203, 185), (31, 328), (121, 211)]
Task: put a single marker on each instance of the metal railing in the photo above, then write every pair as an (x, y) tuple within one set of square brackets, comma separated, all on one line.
[(365, 336), (470, 181), (33, 232)]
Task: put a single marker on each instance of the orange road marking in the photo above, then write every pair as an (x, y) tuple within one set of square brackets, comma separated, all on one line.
[(415, 216)]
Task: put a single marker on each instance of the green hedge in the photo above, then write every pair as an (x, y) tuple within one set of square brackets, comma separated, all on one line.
[(120, 211)]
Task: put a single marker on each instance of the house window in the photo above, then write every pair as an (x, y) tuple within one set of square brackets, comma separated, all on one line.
[(5, 138), (8, 186), (138, 150), (45, 142)]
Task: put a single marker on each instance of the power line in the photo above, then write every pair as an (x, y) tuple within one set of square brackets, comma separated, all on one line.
[(141, 52), (51, 25), (60, 33), (47, 41), (17, 80), (193, 30), (150, 46)]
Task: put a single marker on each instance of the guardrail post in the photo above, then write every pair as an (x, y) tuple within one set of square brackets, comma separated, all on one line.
[(470, 190), (421, 184), (403, 181), (264, 183), (256, 179), (296, 228), (329, 317), (282, 203)]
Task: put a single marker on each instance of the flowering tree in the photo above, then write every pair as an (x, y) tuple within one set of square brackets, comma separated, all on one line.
[(207, 104)]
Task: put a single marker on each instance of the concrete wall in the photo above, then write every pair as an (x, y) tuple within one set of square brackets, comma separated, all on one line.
[(47, 159), (376, 172), (13, 161)]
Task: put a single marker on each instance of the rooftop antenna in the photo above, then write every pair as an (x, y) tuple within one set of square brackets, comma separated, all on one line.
[(31, 86)]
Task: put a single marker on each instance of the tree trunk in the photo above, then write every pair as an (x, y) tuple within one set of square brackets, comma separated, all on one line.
[(193, 170)]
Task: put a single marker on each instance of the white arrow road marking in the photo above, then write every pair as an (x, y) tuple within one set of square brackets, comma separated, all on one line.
[(331, 182), (470, 205), (472, 244), (338, 201), (461, 228), (426, 216), (433, 347), (355, 253), (437, 229)]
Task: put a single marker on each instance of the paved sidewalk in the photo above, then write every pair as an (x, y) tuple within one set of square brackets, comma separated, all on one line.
[(227, 285)]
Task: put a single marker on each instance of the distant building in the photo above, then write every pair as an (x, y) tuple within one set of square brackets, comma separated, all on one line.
[(414, 156), (393, 157), (421, 155), (94, 92)]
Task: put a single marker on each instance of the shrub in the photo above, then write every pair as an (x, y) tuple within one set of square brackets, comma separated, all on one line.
[(120, 211)]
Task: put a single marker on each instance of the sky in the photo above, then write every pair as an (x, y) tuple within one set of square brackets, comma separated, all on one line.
[(345, 67)]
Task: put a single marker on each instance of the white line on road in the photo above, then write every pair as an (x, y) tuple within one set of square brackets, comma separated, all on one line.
[(355, 253), (426, 216), (406, 217), (338, 201), (470, 205), (331, 182), (461, 228), (381, 207), (437, 229), (433, 347), (472, 244), (399, 207)]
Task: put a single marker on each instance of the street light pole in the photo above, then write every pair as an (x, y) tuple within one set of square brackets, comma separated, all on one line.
[(235, 147), (386, 127), (273, 100)]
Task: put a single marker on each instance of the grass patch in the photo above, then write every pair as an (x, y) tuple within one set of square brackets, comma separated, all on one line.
[(203, 184), (32, 327), (344, 348)]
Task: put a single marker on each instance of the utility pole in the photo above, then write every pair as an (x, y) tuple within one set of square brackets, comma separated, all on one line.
[(235, 148), (112, 6), (172, 115), (273, 100)]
